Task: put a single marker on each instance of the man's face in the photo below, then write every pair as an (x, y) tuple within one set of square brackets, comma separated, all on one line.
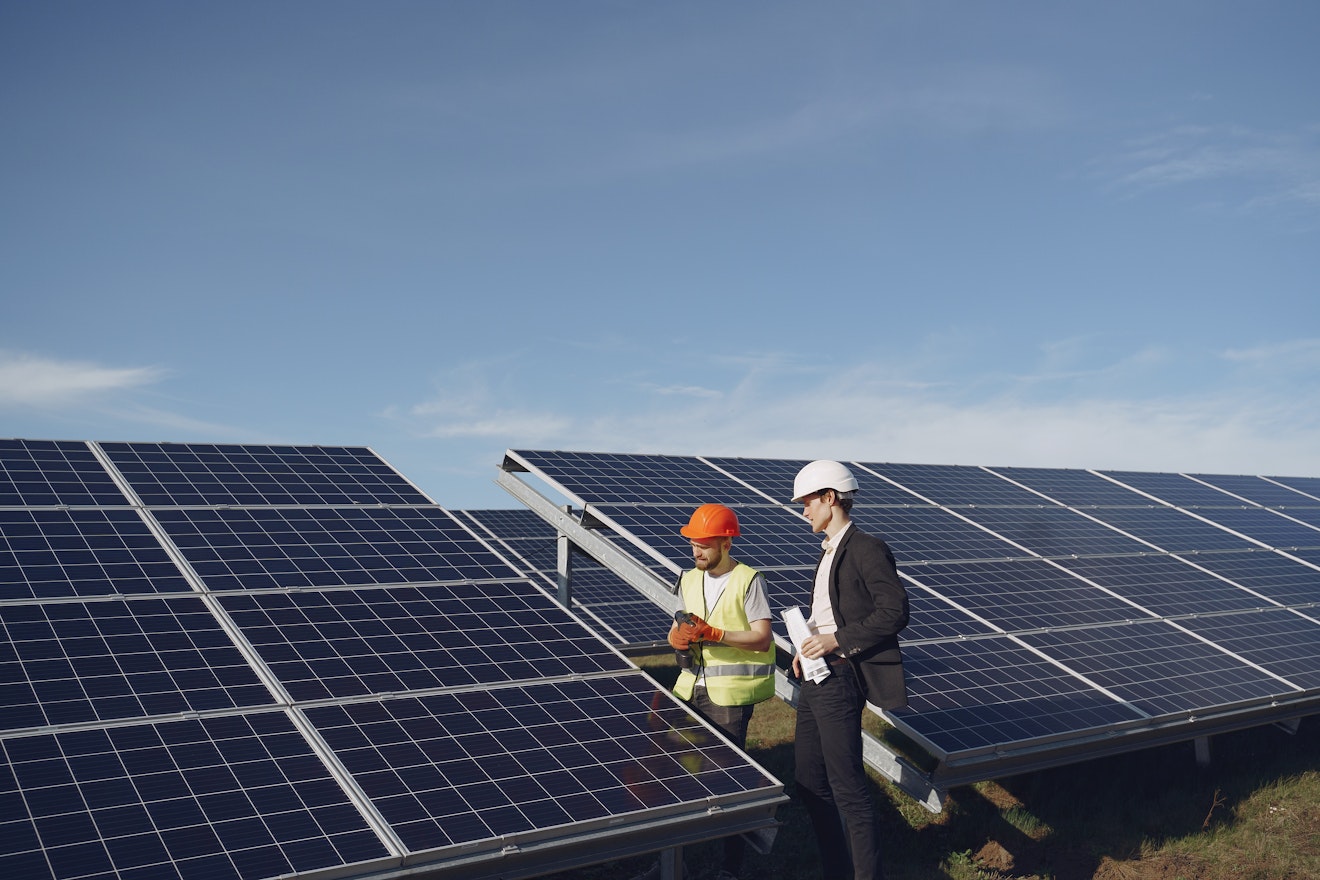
[(817, 511), (709, 552)]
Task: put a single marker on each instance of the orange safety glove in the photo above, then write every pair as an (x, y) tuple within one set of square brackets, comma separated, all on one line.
[(677, 640), (698, 630)]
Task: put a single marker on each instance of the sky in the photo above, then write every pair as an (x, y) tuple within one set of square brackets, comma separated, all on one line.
[(1023, 233)]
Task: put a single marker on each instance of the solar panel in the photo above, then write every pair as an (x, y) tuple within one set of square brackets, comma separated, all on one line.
[(165, 474), (73, 662), (1053, 531), (37, 473), (1073, 487), (1271, 528), (1258, 490), (285, 661), (955, 485), (1024, 594), (621, 614), (1310, 486), (239, 796), (1057, 614), (632, 479), (46, 554), (1174, 489)]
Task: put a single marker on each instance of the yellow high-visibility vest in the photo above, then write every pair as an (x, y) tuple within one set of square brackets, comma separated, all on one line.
[(734, 676)]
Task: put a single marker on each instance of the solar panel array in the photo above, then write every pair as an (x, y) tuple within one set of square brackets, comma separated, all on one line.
[(1056, 614), (615, 608), (252, 661)]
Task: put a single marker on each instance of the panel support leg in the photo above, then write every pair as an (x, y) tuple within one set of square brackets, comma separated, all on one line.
[(1202, 744), (671, 863), (564, 573)]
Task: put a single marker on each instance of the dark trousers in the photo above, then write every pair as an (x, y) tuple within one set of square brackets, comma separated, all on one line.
[(732, 722), (831, 779)]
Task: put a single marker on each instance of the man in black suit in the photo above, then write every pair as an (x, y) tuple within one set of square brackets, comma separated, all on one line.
[(858, 608)]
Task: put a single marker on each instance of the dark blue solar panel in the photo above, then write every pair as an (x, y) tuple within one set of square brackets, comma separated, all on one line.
[(1275, 577), (235, 798), (1281, 642), (52, 554), (1073, 487), (1169, 529), (1273, 529), (476, 765), (923, 533), (1053, 531), (347, 643), (990, 692), (617, 609), (263, 548), (1169, 586), (774, 477), (934, 617), (74, 662), (1308, 515), (39, 473), (169, 474), (770, 535), (1156, 667), (1023, 594), (1309, 486), (1258, 490), (1175, 489), (951, 484), (632, 479)]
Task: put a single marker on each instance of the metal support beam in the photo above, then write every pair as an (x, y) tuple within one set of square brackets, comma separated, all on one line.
[(671, 863), (564, 568)]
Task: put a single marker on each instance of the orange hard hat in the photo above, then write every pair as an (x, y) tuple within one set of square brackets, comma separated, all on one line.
[(711, 521)]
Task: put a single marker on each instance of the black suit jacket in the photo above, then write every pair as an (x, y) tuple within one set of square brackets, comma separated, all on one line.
[(871, 609)]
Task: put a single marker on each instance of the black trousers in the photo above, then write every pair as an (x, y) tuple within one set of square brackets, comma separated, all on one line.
[(733, 721), (831, 779)]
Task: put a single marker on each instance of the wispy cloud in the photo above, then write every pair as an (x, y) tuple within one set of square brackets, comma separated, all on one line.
[(1281, 167), (1111, 418), (33, 380), (1292, 354)]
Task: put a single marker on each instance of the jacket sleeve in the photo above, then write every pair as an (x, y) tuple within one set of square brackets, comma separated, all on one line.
[(883, 613)]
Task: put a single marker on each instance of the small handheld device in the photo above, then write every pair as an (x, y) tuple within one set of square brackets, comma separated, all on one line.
[(684, 657)]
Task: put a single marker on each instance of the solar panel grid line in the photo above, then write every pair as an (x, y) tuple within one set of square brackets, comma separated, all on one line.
[(647, 551), (767, 496), (216, 797), (54, 473), (1164, 669), (550, 579), (1277, 529), (70, 663), (1310, 488), (1240, 499), (1113, 478), (1258, 490), (346, 781), (1234, 532), (604, 618)]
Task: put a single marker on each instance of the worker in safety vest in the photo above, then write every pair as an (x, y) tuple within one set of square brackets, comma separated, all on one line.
[(727, 632)]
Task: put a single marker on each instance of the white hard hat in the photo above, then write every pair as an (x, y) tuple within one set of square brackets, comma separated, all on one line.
[(820, 475)]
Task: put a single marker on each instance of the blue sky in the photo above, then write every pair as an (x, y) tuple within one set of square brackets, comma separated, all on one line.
[(1012, 233)]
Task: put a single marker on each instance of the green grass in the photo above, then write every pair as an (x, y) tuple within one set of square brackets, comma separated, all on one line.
[(1253, 814)]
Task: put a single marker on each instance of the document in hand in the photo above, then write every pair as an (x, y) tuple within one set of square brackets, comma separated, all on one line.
[(815, 669)]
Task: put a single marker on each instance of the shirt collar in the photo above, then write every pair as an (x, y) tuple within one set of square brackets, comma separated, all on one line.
[(829, 545)]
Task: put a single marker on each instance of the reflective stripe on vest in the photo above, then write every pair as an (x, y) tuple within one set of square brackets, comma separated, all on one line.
[(734, 676)]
